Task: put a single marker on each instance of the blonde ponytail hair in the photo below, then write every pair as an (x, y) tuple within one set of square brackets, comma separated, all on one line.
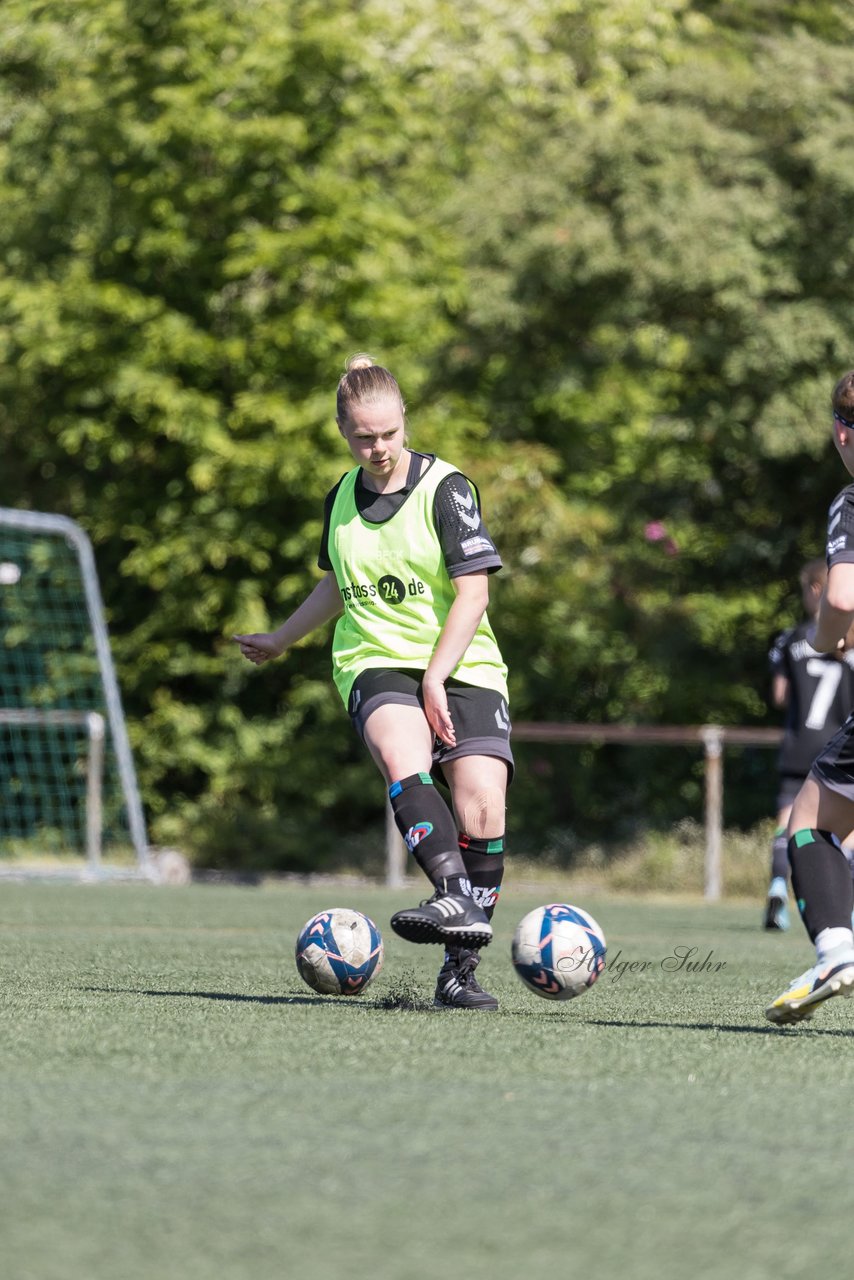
[(365, 383)]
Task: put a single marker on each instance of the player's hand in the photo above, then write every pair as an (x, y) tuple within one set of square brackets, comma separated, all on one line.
[(259, 647), (845, 645), (437, 713)]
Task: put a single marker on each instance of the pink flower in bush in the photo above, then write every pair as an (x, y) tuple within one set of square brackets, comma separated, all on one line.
[(656, 532)]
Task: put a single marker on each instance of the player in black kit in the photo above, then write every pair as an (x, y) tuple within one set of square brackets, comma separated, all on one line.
[(817, 691), (823, 810)]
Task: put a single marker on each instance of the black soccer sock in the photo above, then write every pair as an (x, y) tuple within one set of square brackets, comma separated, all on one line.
[(429, 831), (780, 855), (484, 863), (821, 879)]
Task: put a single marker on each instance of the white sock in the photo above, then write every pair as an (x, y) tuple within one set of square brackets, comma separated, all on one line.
[(833, 940)]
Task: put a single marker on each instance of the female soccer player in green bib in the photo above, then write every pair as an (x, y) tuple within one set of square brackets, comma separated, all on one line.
[(407, 560)]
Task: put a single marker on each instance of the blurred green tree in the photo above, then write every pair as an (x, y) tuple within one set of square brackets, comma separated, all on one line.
[(201, 219), (660, 271), (606, 249)]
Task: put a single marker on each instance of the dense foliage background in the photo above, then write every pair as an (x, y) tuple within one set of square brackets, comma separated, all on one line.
[(606, 247)]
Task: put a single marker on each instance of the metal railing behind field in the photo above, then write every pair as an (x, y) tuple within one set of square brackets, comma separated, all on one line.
[(711, 737)]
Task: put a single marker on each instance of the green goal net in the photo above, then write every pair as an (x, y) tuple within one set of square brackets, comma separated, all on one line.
[(67, 781)]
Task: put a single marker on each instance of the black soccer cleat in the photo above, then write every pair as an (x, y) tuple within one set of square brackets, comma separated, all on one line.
[(457, 987), (449, 918)]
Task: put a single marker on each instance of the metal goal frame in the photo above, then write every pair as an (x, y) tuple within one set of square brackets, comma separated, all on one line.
[(38, 522)]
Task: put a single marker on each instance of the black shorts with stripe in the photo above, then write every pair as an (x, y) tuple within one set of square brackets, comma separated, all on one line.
[(833, 767), (480, 716)]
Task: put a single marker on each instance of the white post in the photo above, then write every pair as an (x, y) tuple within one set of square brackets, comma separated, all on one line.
[(94, 789), (713, 740)]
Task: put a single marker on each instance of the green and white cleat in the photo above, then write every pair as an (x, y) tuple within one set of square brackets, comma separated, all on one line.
[(801, 999)]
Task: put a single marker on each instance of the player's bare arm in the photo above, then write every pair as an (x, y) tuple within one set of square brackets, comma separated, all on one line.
[(836, 611), (780, 691), (464, 616), (321, 606)]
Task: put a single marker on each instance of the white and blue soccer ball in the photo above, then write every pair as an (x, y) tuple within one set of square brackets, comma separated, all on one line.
[(339, 951), (558, 951)]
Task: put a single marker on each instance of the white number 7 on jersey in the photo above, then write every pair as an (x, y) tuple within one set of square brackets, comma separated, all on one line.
[(828, 674)]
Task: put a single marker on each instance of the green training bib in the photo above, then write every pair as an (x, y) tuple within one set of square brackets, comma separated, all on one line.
[(396, 590)]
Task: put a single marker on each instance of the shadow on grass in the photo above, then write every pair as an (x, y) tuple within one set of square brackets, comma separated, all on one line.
[(721, 1026), (404, 1000), (219, 995), (394, 1000)]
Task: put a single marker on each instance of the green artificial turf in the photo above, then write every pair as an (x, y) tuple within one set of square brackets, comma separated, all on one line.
[(177, 1103)]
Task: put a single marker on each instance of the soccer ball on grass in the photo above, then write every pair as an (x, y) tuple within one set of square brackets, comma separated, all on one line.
[(558, 951), (339, 951)]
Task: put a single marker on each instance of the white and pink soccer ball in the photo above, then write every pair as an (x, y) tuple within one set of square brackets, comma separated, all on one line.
[(558, 951)]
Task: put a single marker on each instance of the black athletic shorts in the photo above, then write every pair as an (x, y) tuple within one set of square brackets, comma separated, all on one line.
[(480, 716), (834, 764)]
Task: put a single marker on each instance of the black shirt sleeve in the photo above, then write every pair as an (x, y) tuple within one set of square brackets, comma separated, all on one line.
[(466, 543), (840, 528), (323, 561)]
